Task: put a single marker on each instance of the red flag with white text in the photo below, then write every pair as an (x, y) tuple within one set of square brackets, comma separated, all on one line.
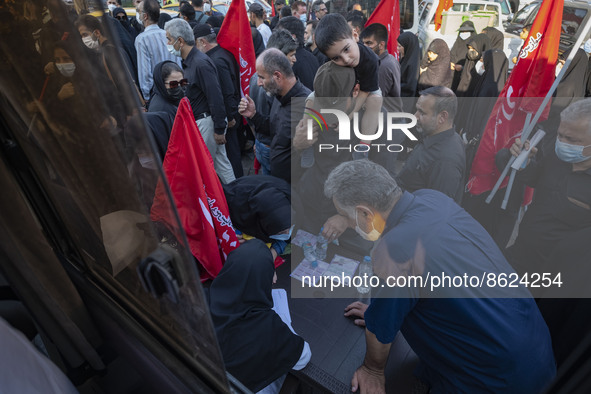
[(198, 196), (444, 5), (530, 81), (235, 36), (388, 14)]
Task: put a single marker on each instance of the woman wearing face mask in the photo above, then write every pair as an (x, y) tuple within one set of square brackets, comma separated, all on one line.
[(458, 51), (169, 88), (476, 46), (435, 70), (61, 84)]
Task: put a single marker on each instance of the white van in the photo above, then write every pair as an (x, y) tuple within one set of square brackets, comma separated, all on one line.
[(481, 13)]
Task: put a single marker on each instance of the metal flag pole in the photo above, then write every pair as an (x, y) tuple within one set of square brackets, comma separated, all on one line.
[(529, 127)]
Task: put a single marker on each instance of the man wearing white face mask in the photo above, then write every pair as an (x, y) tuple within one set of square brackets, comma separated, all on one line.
[(422, 234)]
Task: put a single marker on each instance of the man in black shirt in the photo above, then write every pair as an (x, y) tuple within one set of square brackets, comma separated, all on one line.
[(438, 162), (277, 78), (204, 93), (306, 66), (229, 78)]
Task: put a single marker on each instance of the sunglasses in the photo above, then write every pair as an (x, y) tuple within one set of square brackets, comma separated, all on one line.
[(121, 17), (174, 84)]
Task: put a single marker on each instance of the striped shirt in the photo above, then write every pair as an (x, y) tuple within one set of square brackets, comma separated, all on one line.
[(151, 50)]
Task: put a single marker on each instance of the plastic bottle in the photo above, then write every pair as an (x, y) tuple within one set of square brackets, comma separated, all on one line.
[(321, 246), (310, 254), (365, 272)]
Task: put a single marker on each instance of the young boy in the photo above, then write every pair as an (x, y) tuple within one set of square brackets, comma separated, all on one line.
[(334, 38)]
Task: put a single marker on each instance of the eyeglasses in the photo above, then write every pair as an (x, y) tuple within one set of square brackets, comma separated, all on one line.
[(121, 17), (174, 84)]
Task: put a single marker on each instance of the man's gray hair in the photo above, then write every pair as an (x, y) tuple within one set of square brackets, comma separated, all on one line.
[(578, 111), (282, 40), (180, 28), (445, 100), (316, 5), (362, 182), (274, 60)]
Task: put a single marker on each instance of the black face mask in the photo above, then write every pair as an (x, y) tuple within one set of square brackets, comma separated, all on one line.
[(177, 93), (473, 55)]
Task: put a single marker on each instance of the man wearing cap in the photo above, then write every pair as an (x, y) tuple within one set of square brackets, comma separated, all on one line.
[(277, 78), (256, 14), (228, 73), (203, 92)]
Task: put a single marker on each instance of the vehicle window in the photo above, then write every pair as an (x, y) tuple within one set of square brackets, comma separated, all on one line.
[(504, 7), (425, 14), (522, 15), (76, 114), (457, 7), (476, 7), (572, 18), (407, 13)]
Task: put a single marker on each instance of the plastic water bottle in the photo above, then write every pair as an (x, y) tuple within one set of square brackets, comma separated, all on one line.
[(321, 246), (365, 272), (310, 254), (307, 159)]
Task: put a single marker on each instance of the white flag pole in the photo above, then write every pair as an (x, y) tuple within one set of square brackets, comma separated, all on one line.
[(527, 130)]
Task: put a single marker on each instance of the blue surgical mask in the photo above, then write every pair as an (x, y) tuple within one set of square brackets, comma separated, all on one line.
[(570, 153), (303, 19), (282, 237), (587, 46)]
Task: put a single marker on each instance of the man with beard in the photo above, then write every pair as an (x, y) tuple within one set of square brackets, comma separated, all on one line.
[(375, 37), (276, 76), (438, 162)]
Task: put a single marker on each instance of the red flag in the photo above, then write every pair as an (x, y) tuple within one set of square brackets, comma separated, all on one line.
[(236, 37), (444, 5), (198, 196), (388, 14), (532, 77)]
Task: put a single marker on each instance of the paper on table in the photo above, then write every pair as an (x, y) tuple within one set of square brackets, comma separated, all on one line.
[(305, 269), (341, 266), (280, 305), (302, 237)]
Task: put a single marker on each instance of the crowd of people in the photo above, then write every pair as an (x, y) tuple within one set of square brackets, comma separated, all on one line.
[(315, 59)]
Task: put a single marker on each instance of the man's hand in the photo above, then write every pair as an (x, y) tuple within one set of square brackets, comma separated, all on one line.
[(367, 380), (247, 107), (334, 227), (220, 139), (357, 309), (232, 123), (517, 147), (66, 91), (300, 140)]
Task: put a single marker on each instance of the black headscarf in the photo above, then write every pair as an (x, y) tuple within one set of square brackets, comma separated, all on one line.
[(126, 23), (409, 65), (496, 37), (161, 100), (490, 85), (259, 205), (572, 84), (438, 72), (459, 49), (481, 44), (257, 346)]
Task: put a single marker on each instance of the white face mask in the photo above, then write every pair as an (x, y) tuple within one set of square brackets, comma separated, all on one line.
[(465, 35), (90, 42), (558, 68), (479, 67), (111, 7), (66, 69), (373, 235), (206, 7)]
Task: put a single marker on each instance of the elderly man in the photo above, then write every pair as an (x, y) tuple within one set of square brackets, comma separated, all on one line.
[(204, 93), (438, 162), (150, 45), (468, 338), (276, 76), (555, 231)]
